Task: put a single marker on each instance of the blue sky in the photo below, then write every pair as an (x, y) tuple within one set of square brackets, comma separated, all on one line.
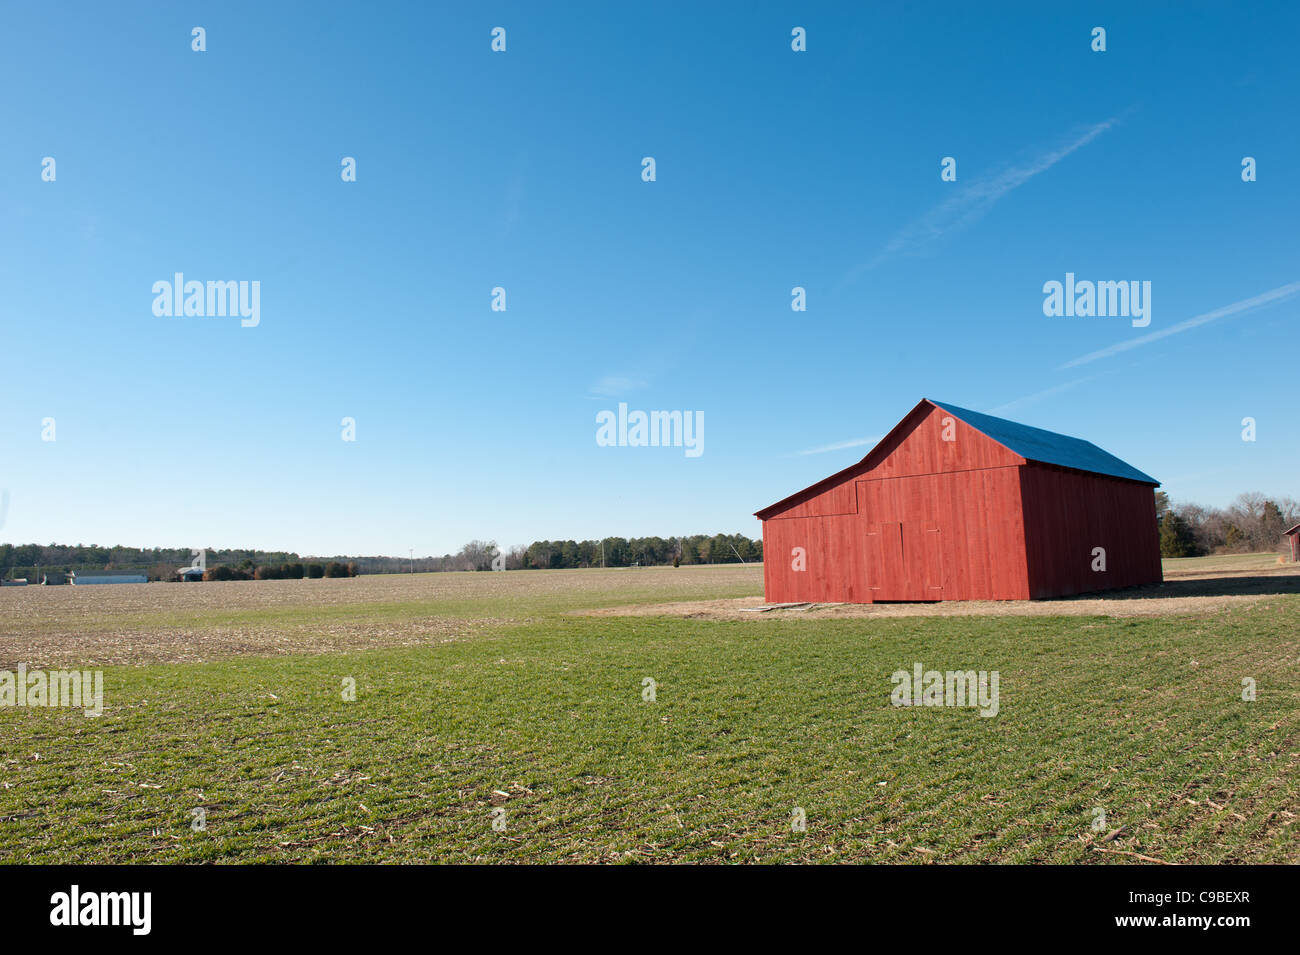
[(522, 170)]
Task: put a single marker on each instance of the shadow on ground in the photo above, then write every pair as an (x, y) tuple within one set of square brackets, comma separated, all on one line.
[(1241, 585)]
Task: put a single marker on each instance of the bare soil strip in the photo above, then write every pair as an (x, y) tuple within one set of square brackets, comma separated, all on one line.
[(1194, 590)]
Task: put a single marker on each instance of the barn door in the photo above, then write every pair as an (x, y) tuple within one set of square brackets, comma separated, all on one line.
[(884, 560), (904, 561), (923, 560)]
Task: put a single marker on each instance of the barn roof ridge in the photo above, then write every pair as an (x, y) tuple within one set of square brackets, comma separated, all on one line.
[(1032, 444)]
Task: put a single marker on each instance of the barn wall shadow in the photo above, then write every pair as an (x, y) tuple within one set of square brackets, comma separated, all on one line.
[(1231, 586)]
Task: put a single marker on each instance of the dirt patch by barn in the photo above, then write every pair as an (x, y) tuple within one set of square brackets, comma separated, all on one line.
[(1194, 590)]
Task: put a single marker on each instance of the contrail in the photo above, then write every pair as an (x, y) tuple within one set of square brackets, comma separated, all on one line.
[(1045, 393), (975, 200), (838, 446), (1244, 305)]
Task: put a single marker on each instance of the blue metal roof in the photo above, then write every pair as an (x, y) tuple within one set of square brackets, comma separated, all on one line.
[(1035, 444)]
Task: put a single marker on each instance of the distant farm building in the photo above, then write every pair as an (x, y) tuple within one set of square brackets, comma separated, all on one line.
[(15, 582), (1293, 536), (107, 577), (188, 574), (957, 505)]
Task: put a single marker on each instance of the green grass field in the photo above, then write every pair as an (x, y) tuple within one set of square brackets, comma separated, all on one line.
[(481, 694)]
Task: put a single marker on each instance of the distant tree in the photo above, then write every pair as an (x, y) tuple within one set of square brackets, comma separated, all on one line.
[(1271, 526), (477, 555), (1233, 539), (617, 552), (569, 554), (315, 570), (1176, 537), (1290, 512), (1201, 522), (165, 572), (335, 569), (1259, 523)]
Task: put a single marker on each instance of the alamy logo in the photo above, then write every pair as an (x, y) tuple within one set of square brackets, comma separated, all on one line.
[(1122, 299), (964, 688), (193, 299), (82, 689), (656, 429), (103, 908)]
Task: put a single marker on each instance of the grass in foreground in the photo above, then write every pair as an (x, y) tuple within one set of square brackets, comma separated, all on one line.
[(1142, 718)]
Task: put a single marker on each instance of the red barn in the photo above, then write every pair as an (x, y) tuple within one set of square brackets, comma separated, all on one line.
[(957, 505)]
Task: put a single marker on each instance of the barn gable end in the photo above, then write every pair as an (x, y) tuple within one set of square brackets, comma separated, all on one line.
[(917, 445)]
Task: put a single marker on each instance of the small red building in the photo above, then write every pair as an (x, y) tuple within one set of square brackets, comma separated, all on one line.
[(1293, 537), (958, 505)]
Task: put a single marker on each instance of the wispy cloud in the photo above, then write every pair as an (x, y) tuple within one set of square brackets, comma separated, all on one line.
[(1045, 393), (614, 386), (840, 446), (973, 201), (1267, 298)]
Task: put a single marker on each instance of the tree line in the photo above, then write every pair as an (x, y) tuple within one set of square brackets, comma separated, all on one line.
[(1252, 523), (640, 551), (168, 563), (569, 554), (291, 571), (165, 563)]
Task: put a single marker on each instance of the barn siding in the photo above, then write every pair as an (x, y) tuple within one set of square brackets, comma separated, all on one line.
[(835, 500), (921, 518), (966, 488), (1068, 513), (834, 554), (975, 516), (924, 451)]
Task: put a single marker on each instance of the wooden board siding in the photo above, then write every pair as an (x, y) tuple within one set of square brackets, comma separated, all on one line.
[(915, 446), (904, 560), (973, 518), (1069, 513), (835, 500), (958, 506), (920, 450), (923, 450), (836, 568)]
